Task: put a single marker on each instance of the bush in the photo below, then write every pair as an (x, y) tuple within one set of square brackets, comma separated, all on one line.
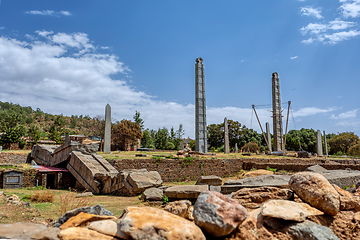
[(221, 149), (42, 197), (354, 150), (169, 146), (250, 147)]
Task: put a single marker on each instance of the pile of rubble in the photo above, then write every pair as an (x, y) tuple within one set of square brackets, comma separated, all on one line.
[(308, 207)]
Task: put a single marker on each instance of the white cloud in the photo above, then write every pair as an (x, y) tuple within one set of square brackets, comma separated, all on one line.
[(294, 57), (2, 28), (346, 115), (308, 111), (49, 13), (350, 8), (329, 33), (311, 12)]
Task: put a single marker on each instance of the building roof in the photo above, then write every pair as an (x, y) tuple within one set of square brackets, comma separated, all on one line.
[(42, 168)]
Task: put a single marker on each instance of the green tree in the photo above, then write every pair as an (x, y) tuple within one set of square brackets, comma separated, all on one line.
[(57, 129), (138, 120), (12, 127), (147, 140), (161, 138), (342, 142), (303, 139), (34, 134), (73, 121)]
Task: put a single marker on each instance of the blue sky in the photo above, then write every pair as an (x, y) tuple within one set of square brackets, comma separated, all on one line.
[(74, 57)]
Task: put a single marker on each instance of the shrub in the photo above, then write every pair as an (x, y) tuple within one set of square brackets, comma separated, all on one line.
[(250, 147), (42, 197), (271, 169), (68, 202), (354, 150)]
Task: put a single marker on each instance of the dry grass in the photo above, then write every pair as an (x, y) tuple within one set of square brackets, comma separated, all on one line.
[(42, 197), (69, 201)]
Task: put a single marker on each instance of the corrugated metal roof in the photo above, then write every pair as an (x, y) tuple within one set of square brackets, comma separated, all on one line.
[(43, 168)]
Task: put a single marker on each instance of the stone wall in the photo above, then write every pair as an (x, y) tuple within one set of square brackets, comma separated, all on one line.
[(29, 177), (179, 169), (13, 158)]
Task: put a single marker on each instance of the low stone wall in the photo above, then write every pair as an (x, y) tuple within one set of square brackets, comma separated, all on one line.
[(29, 177), (13, 158), (179, 169)]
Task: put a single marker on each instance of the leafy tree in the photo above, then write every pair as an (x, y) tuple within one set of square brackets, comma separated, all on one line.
[(147, 141), (342, 142), (237, 134), (56, 130), (73, 121), (138, 120), (124, 133), (12, 127), (354, 150), (250, 147), (303, 139), (34, 134), (161, 138)]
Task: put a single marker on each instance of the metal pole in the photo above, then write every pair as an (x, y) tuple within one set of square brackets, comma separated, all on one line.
[(287, 121), (253, 106)]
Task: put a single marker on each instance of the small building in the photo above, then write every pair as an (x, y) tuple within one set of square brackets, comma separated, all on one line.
[(185, 143), (51, 177), (77, 138), (13, 179)]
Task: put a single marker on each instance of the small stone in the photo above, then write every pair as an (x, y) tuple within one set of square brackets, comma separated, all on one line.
[(311, 231), (180, 208), (85, 194), (209, 180), (108, 227), (152, 194), (185, 191), (259, 172)]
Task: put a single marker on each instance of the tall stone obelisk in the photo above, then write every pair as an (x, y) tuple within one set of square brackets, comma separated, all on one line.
[(200, 107), (107, 134), (226, 137), (277, 117), (268, 135), (325, 145), (319, 148)]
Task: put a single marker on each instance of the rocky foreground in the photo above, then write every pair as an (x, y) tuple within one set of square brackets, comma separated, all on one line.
[(311, 208)]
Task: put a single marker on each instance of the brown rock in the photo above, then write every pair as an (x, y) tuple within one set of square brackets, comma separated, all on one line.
[(218, 214), (257, 173), (78, 233), (108, 227), (185, 191), (28, 231), (315, 190), (152, 223), (254, 197), (288, 210), (252, 228), (209, 180), (181, 208), (347, 200), (82, 219)]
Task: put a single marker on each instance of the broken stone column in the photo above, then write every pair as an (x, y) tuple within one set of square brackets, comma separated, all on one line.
[(277, 117), (268, 135), (107, 134), (325, 144), (236, 148), (200, 107), (67, 138), (226, 137), (319, 144)]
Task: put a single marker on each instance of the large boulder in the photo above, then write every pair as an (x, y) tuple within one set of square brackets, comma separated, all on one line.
[(347, 200), (82, 234), (137, 182), (185, 191), (311, 231), (288, 210), (209, 180), (152, 223), (281, 181), (218, 214), (28, 231), (253, 197), (82, 219), (182, 208), (152, 194), (315, 190), (97, 210), (108, 227)]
